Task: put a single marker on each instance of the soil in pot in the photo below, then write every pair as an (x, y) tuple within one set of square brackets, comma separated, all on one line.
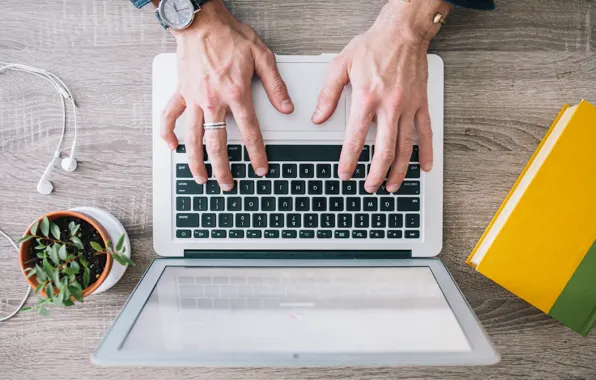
[(87, 233)]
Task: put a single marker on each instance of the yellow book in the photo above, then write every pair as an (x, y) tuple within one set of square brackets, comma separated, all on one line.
[(541, 244)]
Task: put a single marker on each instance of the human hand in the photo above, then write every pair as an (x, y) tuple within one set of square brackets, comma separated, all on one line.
[(217, 58), (388, 70)]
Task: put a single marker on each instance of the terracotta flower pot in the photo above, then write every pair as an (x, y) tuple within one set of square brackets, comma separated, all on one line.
[(25, 247)]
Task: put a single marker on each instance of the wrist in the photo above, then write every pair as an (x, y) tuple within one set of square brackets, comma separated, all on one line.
[(413, 20), (212, 13)]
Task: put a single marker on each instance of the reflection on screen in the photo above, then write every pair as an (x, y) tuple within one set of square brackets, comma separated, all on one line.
[(326, 310)]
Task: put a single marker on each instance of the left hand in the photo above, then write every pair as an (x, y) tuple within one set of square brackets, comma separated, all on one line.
[(388, 70)]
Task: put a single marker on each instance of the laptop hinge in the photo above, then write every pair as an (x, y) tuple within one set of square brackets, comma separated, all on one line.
[(274, 254)]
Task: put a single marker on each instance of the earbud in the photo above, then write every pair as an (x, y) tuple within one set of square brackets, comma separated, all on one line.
[(44, 187), (69, 164)]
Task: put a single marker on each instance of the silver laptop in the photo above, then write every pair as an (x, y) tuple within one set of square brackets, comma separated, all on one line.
[(297, 268)]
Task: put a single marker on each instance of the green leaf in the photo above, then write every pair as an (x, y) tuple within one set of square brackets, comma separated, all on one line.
[(32, 273), (96, 246), (128, 260), (71, 278), (56, 279), (55, 230), (47, 268), (38, 288), (60, 296), (83, 261), (53, 254), (86, 277), (45, 226), (62, 253), (119, 259), (50, 290), (34, 227), (120, 243), (41, 276), (25, 238), (76, 291), (69, 271), (77, 242), (43, 311), (66, 295), (68, 302), (40, 247), (27, 309), (74, 265), (74, 229)]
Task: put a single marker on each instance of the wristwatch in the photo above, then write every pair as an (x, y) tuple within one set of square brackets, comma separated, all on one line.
[(174, 14)]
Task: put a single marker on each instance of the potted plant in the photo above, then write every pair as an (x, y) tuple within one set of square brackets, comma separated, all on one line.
[(66, 256)]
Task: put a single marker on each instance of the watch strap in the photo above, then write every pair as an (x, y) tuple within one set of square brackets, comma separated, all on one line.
[(140, 3), (163, 24)]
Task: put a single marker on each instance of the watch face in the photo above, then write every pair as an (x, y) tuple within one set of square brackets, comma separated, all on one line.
[(178, 14)]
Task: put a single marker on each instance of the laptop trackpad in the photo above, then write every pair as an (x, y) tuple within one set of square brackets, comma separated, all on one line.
[(304, 81)]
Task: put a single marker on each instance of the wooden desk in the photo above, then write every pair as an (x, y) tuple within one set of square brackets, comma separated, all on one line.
[(508, 73)]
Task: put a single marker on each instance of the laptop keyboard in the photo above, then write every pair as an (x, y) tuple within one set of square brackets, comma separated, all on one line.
[(301, 197)]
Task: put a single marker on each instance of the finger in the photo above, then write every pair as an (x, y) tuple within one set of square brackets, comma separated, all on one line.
[(337, 78), (425, 138), (246, 119), (361, 115), (405, 142), (217, 148), (173, 110), (194, 144), (266, 69), (384, 154)]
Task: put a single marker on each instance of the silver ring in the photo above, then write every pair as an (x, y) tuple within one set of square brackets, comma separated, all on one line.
[(215, 125)]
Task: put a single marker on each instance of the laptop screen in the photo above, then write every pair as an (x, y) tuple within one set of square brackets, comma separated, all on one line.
[(296, 310)]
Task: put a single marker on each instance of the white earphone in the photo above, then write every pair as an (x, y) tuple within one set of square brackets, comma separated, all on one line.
[(69, 164)]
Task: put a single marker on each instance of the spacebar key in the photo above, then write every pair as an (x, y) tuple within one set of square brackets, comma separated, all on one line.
[(310, 153)]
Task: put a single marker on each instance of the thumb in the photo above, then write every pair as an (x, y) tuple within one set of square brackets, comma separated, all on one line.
[(337, 78), (266, 69)]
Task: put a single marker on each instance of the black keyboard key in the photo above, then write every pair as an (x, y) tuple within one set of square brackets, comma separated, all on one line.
[(187, 220), (359, 234), (234, 153), (280, 187), (298, 187), (242, 220), (311, 221), (413, 171), (251, 172), (316, 153), (276, 220), (361, 220), (274, 171), (361, 189), (408, 204), (253, 234), (302, 204), (352, 204), (208, 220), (217, 204), (263, 187), (212, 187), (251, 204), (293, 220), (328, 220), (183, 171), (234, 204), (332, 187), (344, 221), (324, 234), (289, 234), (396, 220), (307, 171), (205, 154), (379, 221), (272, 234), (188, 187), (285, 204), (387, 204), (414, 157), (247, 187), (234, 188), (335, 171), (371, 204), (377, 234), (409, 188), (412, 220), (319, 204), (226, 220), (199, 203), (259, 220), (218, 234), (183, 204), (183, 234), (394, 234), (336, 204), (200, 234), (323, 171), (349, 187), (359, 171), (382, 190), (315, 187), (289, 170), (236, 234), (410, 234), (307, 234), (209, 170), (268, 204), (342, 234), (181, 148), (238, 170)]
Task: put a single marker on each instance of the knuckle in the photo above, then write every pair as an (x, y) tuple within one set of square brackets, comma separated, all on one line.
[(236, 92), (269, 58), (278, 86), (192, 137), (387, 155), (252, 137), (215, 147), (352, 146)]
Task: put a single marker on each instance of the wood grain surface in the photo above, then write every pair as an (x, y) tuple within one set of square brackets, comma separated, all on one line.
[(508, 73)]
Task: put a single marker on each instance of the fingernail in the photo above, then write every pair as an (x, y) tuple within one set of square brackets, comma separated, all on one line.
[(287, 105), (317, 113), (261, 172), (344, 176), (200, 180), (370, 189), (392, 188), (227, 187)]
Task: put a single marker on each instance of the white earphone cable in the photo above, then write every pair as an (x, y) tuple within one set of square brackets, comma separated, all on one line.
[(28, 287)]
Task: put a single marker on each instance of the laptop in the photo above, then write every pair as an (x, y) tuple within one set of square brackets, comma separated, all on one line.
[(297, 268)]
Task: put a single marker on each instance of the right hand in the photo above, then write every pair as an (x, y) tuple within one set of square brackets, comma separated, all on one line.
[(217, 58)]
